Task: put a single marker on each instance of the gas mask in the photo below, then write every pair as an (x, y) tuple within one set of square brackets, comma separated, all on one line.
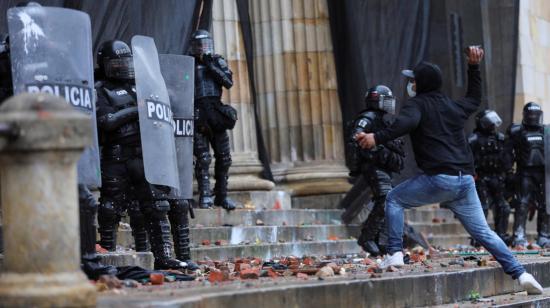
[(410, 91)]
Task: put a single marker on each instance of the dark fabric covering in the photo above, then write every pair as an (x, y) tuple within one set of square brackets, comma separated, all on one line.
[(373, 41), (246, 28), (169, 22)]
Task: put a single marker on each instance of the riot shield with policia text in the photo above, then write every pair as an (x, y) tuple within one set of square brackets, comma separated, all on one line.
[(155, 115), (51, 52)]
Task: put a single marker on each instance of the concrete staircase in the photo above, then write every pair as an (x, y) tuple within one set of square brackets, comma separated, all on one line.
[(305, 226)]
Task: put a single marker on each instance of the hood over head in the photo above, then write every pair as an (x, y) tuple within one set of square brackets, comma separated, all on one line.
[(428, 77)]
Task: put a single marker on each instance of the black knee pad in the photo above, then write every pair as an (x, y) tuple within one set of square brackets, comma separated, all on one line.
[(203, 160), (223, 160), (114, 186), (179, 206), (155, 209)]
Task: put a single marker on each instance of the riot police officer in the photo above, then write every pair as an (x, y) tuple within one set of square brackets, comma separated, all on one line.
[(124, 186), (526, 146), (376, 165), (212, 120), (491, 167)]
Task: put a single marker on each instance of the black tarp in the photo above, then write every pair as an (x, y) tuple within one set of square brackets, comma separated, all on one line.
[(373, 41), (169, 22)]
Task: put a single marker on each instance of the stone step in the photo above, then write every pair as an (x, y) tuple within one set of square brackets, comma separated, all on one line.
[(266, 251), (262, 234), (128, 258), (401, 289), (446, 241), (454, 226), (244, 217), (329, 201), (519, 300)]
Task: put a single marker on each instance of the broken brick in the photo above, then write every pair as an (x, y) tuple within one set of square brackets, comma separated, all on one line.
[(302, 276), (216, 276), (333, 238), (205, 242), (156, 278), (271, 273), (100, 249), (325, 272), (251, 273), (308, 261), (220, 243)]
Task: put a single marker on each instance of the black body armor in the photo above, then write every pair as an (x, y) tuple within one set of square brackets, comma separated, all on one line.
[(210, 76)]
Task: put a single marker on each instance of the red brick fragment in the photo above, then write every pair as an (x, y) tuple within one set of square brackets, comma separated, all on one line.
[(205, 242), (302, 276), (156, 278), (251, 273)]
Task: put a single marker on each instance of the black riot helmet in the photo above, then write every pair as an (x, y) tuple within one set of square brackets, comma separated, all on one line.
[(201, 43), (488, 120), (115, 60), (380, 98), (532, 114)]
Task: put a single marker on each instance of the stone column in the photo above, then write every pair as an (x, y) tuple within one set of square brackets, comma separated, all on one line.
[(533, 65), (228, 42), (296, 80), (40, 204)]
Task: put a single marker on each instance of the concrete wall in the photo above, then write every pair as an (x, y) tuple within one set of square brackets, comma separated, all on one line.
[(533, 68)]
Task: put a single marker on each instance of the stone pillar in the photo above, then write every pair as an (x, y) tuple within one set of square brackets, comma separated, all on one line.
[(40, 204), (533, 66), (296, 80), (228, 42)]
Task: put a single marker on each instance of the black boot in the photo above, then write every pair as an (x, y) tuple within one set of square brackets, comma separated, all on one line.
[(220, 189), (203, 181), (108, 220), (502, 215), (179, 222), (372, 228), (159, 233), (139, 227), (90, 262), (543, 228), (520, 220)]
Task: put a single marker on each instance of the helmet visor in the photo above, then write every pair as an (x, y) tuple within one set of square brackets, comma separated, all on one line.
[(387, 103), (532, 117), (490, 120), (202, 46), (121, 68)]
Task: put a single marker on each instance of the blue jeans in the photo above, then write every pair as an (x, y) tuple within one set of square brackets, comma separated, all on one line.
[(459, 194)]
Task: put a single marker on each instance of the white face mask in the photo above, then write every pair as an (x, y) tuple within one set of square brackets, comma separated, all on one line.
[(410, 91)]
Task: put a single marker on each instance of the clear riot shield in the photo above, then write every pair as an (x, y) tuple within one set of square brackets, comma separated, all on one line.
[(51, 52), (547, 166), (178, 72), (155, 115)]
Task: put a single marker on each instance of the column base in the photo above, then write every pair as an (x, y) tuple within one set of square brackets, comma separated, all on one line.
[(313, 178), (69, 289)]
